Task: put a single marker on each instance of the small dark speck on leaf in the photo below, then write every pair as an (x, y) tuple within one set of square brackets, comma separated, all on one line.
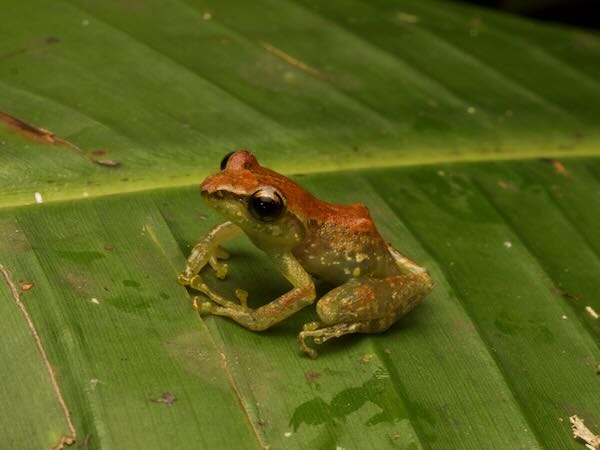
[(131, 283), (167, 398), (108, 247), (98, 152), (52, 40), (566, 295), (312, 375)]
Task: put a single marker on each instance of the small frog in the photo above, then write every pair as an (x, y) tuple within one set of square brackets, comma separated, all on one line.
[(303, 236)]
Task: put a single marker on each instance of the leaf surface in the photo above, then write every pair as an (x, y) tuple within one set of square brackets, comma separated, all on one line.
[(433, 114)]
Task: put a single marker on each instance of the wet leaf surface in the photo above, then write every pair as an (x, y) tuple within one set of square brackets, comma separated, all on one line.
[(471, 136)]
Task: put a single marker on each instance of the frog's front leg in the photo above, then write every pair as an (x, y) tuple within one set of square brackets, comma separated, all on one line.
[(303, 294), (207, 251)]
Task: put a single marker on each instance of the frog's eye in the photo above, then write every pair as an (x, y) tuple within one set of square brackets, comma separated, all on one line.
[(225, 160), (266, 205)]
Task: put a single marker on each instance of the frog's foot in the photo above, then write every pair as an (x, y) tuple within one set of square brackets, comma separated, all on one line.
[(219, 268), (199, 285), (183, 279), (198, 260), (320, 335), (202, 305)]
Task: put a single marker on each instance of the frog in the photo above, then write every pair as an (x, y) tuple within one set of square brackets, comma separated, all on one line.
[(308, 239)]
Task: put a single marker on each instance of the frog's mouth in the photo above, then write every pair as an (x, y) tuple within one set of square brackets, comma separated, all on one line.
[(222, 195), (226, 203)]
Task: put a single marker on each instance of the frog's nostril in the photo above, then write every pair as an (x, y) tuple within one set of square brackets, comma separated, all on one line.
[(213, 194)]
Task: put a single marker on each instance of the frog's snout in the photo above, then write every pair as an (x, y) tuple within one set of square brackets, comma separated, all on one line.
[(208, 190), (205, 186), (210, 186)]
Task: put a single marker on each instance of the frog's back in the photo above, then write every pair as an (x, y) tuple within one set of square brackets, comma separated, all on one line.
[(343, 242)]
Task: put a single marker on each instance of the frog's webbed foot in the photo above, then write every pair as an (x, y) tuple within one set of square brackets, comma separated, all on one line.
[(208, 251), (198, 284), (321, 335), (196, 263), (219, 268), (202, 305)]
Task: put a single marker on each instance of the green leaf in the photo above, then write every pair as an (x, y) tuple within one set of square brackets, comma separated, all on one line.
[(433, 114)]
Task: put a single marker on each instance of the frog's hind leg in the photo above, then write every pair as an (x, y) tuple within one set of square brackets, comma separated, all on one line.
[(364, 305)]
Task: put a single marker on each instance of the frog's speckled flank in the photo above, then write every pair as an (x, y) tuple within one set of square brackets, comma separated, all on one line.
[(304, 236)]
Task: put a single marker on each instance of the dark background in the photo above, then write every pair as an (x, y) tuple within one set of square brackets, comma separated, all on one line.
[(580, 13)]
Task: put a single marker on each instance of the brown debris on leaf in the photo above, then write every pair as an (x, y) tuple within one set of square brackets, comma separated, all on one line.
[(36, 47), (167, 398), (506, 185), (312, 375), (291, 60), (107, 163), (26, 286), (566, 295), (62, 442), (38, 134), (558, 167), (42, 135), (580, 431)]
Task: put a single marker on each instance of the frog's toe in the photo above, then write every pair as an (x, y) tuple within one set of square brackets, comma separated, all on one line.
[(311, 326), (221, 272), (183, 279), (219, 268), (311, 352), (196, 283), (202, 305)]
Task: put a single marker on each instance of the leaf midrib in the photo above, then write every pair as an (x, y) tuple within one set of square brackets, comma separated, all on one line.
[(150, 183)]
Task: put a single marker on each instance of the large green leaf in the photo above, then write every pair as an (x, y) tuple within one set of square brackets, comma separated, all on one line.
[(419, 109)]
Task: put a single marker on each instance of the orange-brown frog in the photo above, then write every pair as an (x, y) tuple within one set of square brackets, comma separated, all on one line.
[(304, 236)]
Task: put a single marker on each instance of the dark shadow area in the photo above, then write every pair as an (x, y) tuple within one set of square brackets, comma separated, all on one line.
[(579, 13)]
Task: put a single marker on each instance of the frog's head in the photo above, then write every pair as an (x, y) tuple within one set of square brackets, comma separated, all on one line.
[(269, 207)]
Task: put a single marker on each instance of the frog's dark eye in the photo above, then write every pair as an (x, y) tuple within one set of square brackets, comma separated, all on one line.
[(266, 205), (225, 160)]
